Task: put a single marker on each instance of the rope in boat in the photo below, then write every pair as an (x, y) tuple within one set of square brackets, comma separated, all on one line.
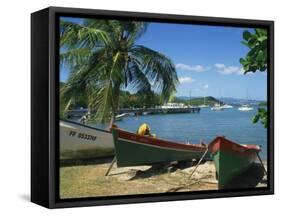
[(262, 163), (110, 166), (199, 163)]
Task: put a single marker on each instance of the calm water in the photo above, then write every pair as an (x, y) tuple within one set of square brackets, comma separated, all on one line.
[(206, 125)]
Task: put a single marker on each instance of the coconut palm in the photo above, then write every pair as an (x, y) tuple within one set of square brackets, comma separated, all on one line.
[(104, 58)]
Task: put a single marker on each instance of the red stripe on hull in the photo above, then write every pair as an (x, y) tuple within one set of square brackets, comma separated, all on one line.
[(159, 142), (223, 144)]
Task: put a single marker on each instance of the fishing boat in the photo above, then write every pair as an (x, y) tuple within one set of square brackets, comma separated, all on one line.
[(231, 159), (78, 141), (245, 108), (134, 150)]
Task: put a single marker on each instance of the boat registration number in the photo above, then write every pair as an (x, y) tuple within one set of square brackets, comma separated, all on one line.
[(82, 136)]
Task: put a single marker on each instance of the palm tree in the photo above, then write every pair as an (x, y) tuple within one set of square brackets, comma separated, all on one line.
[(104, 58)]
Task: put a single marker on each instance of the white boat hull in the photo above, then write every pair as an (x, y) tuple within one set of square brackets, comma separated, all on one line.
[(245, 109), (217, 108), (79, 141)]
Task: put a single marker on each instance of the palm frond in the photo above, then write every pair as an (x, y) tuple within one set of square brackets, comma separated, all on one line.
[(75, 57), (158, 68), (136, 79), (73, 35)]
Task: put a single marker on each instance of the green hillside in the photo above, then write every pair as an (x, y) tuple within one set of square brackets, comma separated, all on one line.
[(197, 101)]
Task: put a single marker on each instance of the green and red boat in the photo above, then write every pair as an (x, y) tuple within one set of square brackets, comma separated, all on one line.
[(231, 159), (134, 150)]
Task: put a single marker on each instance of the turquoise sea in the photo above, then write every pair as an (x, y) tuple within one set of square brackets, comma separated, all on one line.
[(205, 125)]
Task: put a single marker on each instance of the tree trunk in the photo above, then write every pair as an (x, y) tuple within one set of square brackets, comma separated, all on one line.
[(115, 104)]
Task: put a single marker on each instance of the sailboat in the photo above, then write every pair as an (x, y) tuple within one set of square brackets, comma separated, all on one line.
[(227, 106), (204, 105), (245, 107), (217, 107)]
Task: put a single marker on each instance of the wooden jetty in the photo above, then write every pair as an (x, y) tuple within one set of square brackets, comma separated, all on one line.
[(140, 111)]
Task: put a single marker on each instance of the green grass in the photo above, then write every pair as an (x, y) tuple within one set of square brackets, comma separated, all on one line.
[(90, 181)]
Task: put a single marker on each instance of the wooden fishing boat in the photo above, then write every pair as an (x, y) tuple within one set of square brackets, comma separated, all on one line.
[(133, 150), (231, 159), (78, 141)]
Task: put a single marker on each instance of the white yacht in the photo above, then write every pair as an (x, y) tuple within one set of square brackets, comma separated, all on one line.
[(245, 108), (227, 106), (204, 105), (217, 107)]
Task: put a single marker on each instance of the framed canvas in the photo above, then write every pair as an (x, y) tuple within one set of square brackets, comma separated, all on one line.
[(138, 107)]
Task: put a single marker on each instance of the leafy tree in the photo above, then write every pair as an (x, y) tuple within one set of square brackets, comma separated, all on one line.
[(256, 60), (103, 58), (261, 116)]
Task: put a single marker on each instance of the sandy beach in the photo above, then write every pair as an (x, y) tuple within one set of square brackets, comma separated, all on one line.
[(87, 179)]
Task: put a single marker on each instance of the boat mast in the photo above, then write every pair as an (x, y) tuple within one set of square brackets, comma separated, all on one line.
[(189, 97)]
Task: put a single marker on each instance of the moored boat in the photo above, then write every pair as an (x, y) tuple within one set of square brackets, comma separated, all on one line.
[(78, 141), (245, 108), (231, 159), (121, 116), (217, 107), (133, 150), (227, 106)]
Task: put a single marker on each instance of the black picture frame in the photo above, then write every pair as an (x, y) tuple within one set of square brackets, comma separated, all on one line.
[(45, 112)]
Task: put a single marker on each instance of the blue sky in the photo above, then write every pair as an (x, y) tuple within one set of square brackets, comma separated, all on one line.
[(206, 59)]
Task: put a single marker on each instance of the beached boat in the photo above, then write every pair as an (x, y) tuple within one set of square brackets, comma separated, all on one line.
[(245, 108), (231, 159), (78, 141), (134, 150)]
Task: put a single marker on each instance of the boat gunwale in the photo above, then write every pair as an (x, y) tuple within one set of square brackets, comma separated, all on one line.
[(139, 139), (239, 149), (87, 126)]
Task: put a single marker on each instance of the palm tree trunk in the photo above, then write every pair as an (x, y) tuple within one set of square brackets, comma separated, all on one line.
[(115, 104)]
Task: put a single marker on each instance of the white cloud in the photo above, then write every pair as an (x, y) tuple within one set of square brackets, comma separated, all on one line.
[(194, 68), (186, 80), (206, 86), (223, 69)]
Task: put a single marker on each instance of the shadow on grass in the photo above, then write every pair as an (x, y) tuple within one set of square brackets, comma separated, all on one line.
[(158, 169), (248, 179), (85, 162)]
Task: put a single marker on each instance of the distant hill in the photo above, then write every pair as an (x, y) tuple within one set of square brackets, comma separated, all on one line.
[(196, 101), (234, 101), (224, 100)]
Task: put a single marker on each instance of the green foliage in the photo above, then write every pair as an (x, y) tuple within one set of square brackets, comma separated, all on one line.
[(103, 58), (256, 58), (67, 103), (264, 103), (139, 100), (261, 116)]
